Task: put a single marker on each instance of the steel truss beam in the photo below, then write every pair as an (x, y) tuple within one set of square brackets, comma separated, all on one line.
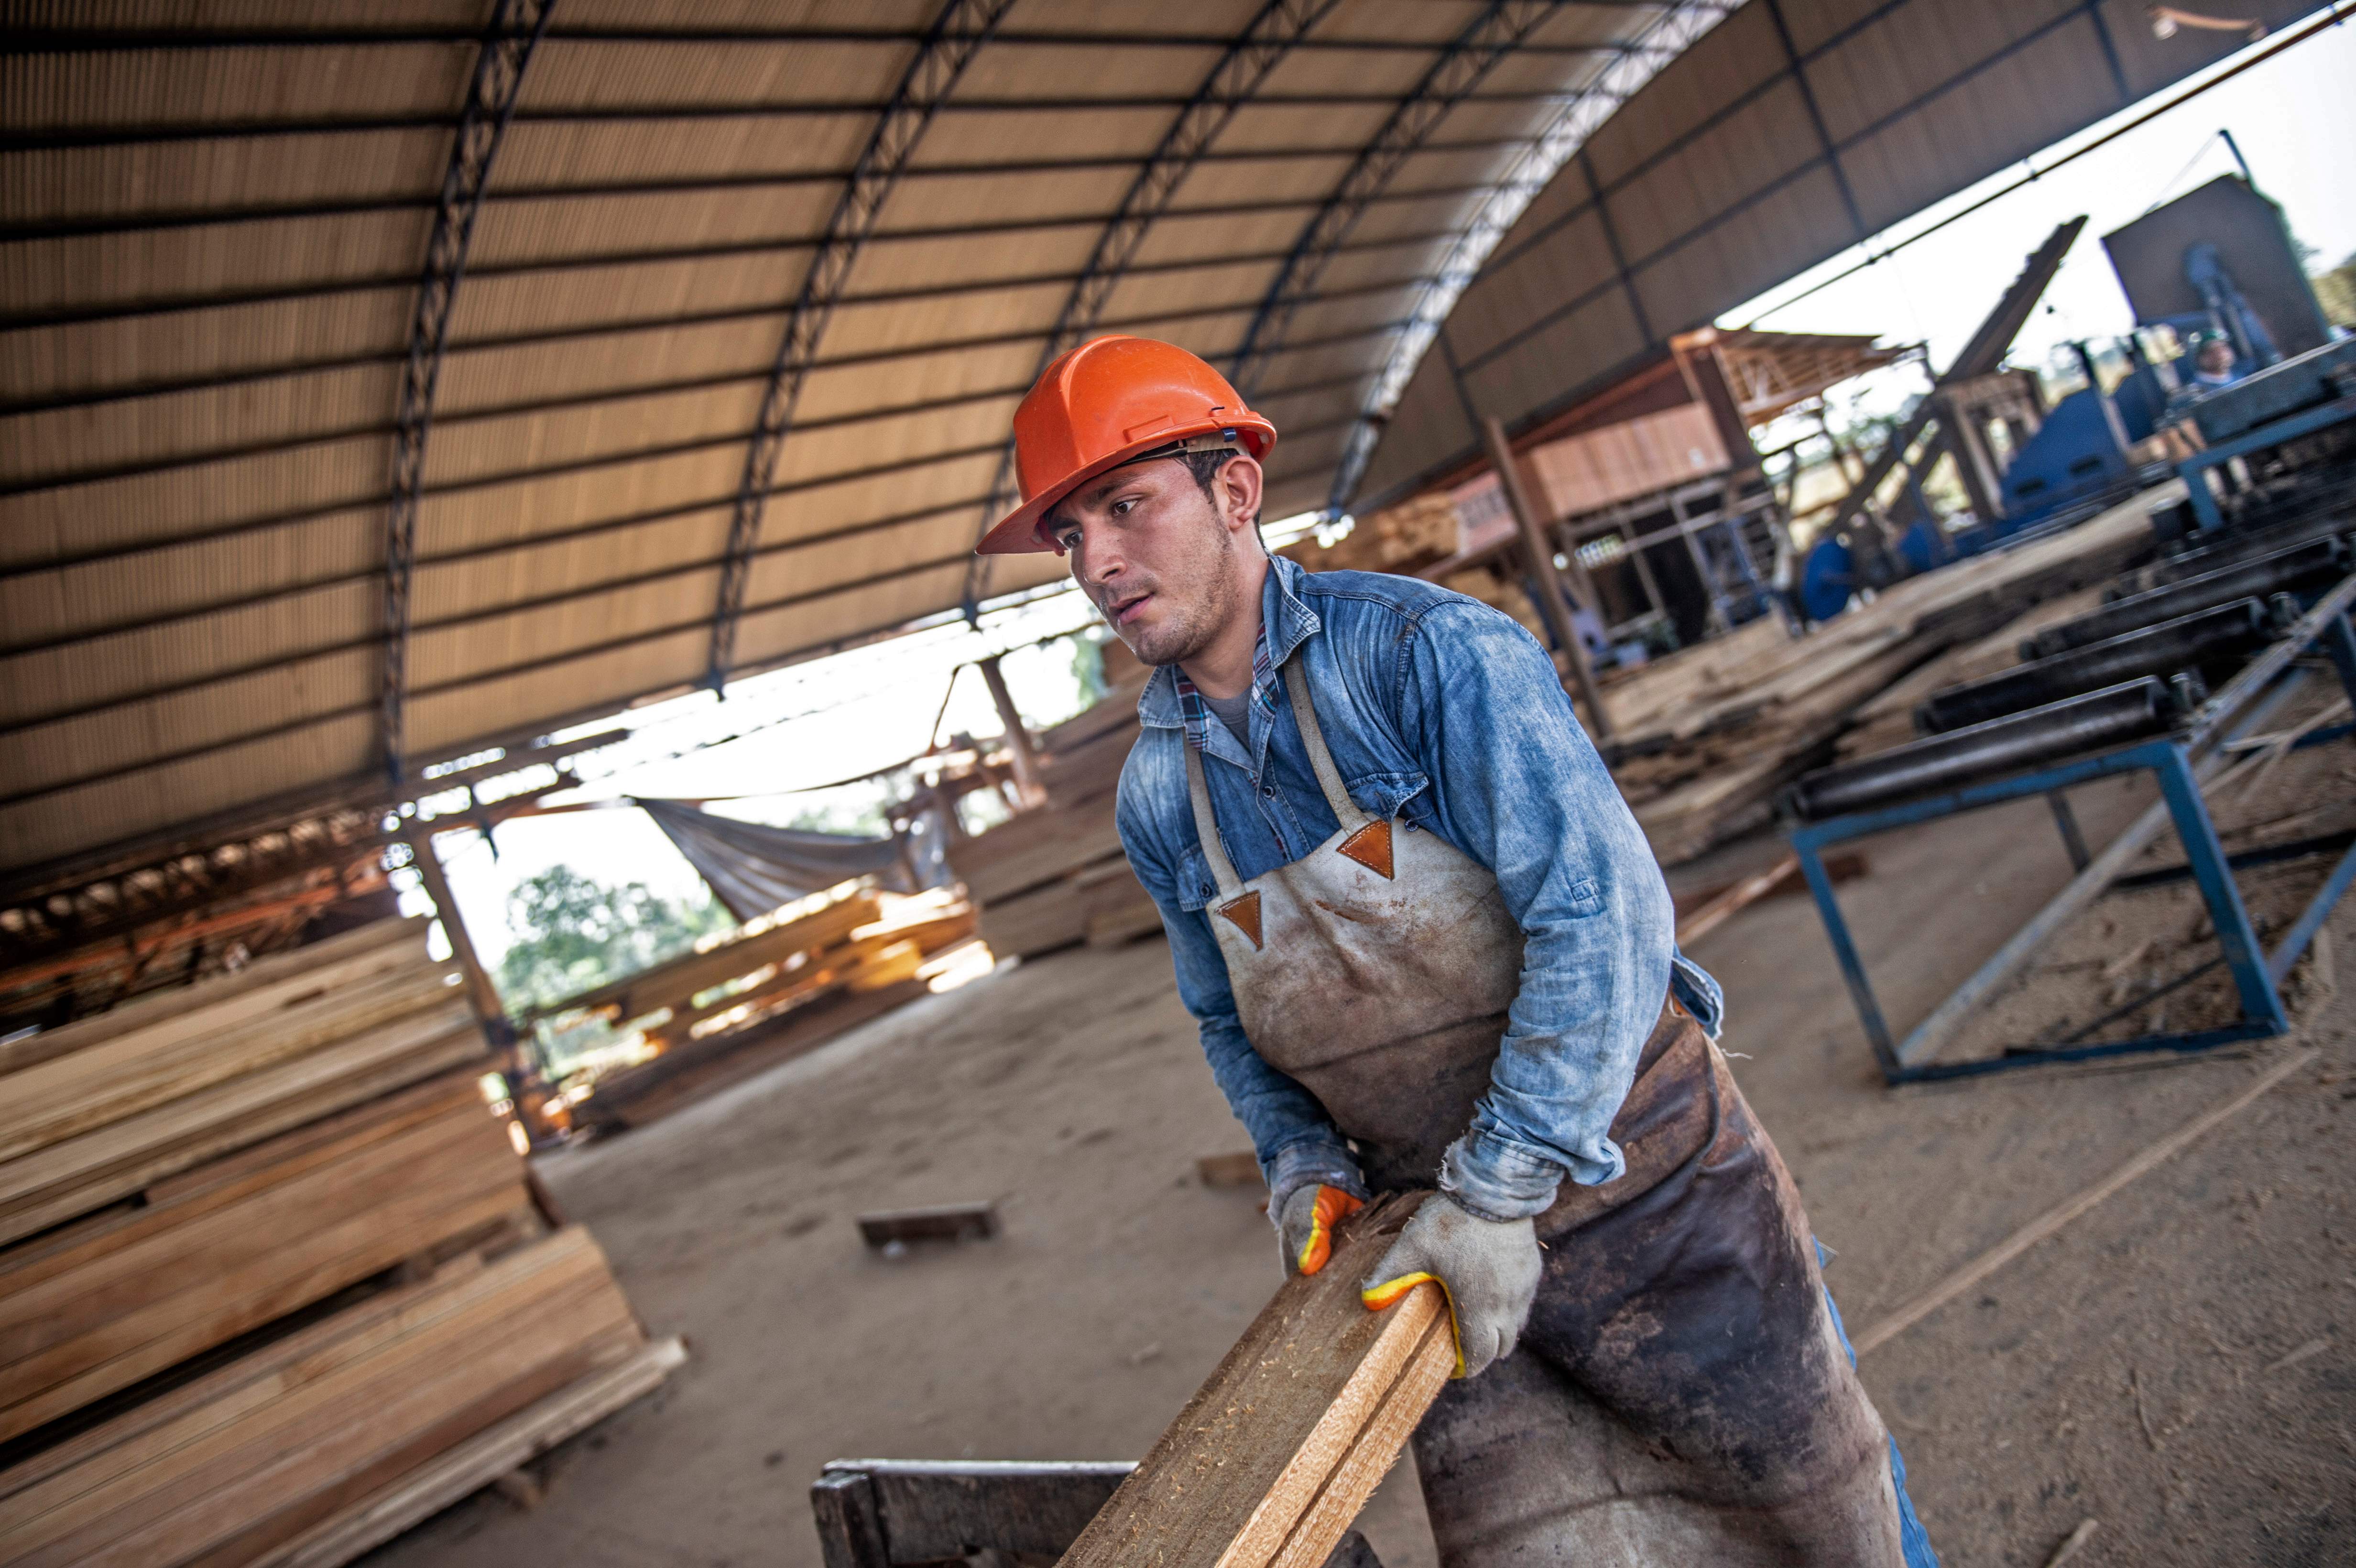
[(113, 40), (654, 258), (1281, 25), (515, 28), (957, 35), (162, 132), (310, 514), (103, 223), (497, 612), (627, 391), (1670, 35), (603, 588), (1467, 59)]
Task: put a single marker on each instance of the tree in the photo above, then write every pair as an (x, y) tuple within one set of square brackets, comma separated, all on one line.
[(575, 933)]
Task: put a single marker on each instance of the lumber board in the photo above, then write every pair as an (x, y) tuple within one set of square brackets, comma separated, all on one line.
[(1033, 849), (105, 1083), (1276, 1452), (1040, 920), (677, 981), (85, 1173), (259, 987), (1088, 772), (675, 1078), (227, 1252), (475, 1464), (252, 1457)]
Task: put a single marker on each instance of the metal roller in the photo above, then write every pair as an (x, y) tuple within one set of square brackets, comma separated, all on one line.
[(2232, 551), (2311, 565), (2128, 711), (2197, 641)]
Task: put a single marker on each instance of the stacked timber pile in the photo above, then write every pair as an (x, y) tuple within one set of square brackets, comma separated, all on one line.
[(276, 1285), (1704, 738), (772, 991), (1414, 534), (1055, 876)]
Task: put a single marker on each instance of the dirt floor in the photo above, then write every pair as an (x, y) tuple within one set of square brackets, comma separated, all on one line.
[(2176, 1365)]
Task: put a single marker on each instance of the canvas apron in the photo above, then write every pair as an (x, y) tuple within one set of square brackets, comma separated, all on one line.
[(1678, 1395)]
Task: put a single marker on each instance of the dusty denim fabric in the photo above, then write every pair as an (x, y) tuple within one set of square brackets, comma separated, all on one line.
[(1447, 712)]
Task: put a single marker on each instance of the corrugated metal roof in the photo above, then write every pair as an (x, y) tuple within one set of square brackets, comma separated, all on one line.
[(214, 223), (1791, 133)]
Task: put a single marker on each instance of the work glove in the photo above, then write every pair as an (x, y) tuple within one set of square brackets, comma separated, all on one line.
[(1489, 1269), (1304, 1225)]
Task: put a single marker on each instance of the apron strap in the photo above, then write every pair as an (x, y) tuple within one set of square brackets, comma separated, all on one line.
[(1206, 826), (1321, 761)]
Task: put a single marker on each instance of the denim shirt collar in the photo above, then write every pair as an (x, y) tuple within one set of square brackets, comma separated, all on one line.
[(1285, 623)]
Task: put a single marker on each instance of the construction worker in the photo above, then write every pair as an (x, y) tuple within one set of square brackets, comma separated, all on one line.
[(1428, 947)]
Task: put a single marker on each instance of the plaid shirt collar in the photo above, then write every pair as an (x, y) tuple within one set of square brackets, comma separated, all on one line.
[(1196, 712)]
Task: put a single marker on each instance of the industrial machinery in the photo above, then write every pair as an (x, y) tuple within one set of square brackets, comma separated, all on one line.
[(2041, 733), (2214, 264)]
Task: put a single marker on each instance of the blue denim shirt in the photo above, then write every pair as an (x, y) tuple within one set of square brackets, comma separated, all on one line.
[(1445, 712)]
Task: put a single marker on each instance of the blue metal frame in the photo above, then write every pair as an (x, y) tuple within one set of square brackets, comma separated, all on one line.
[(2194, 470), (2257, 973)]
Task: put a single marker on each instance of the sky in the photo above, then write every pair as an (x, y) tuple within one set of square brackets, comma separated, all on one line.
[(2294, 116)]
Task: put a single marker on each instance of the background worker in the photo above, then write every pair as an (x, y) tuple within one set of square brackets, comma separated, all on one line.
[(1427, 945)]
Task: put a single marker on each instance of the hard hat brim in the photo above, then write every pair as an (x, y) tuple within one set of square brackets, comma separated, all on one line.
[(1017, 533)]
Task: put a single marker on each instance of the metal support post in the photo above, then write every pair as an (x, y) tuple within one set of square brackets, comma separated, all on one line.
[(2254, 979), (2261, 1003), (2072, 841), (1540, 551)]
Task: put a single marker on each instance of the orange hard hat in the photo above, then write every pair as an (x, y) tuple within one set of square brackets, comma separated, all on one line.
[(1110, 402)]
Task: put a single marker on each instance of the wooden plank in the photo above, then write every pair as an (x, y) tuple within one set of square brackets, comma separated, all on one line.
[(677, 981), (260, 987), (1116, 710), (1033, 849), (656, 1089), (85, 1173), (261, 1462), (1037, 922), (106, 1083), (197, 1269), (475, 1464), (1274, 1456), (942, 1222)]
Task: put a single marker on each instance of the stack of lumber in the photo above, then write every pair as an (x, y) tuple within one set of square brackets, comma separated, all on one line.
[(1055, 876), (1705, 737), (765, 995), (315, 1448), (1275, 1455), (243, 1240), (217, 1201), (101, 1109), (1414, 533)]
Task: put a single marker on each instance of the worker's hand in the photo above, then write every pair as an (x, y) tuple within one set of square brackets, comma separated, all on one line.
[(1488, 1267), (1304, 1225)]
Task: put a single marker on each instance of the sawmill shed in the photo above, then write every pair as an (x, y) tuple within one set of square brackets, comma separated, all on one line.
[(396, 396)]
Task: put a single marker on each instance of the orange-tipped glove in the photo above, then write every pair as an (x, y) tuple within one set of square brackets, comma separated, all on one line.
[(1304, 1225), (1489, 1269)]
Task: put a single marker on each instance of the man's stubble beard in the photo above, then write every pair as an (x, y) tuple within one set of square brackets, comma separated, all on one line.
[(1198, 626)]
